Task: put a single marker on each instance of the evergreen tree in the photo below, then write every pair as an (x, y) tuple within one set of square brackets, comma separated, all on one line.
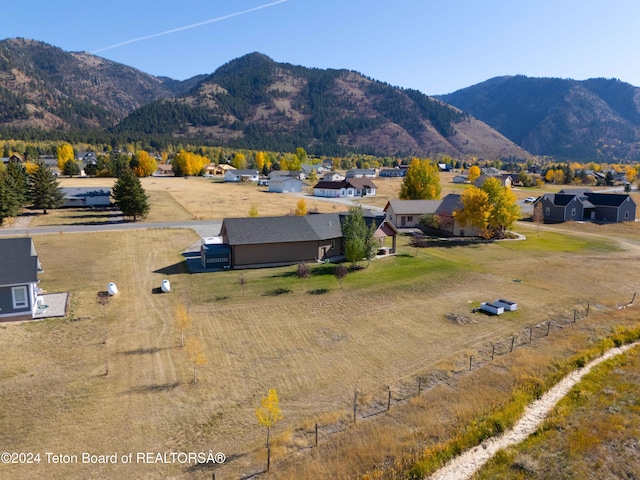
[(71, 168), (10, 201), (129, 195), (45, 190), (19, 182)]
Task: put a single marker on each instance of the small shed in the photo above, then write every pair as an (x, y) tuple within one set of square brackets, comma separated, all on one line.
[(491, 308), (506, 304)]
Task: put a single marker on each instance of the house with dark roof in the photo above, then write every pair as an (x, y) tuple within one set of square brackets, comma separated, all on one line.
[(19, 267), (583, 204), (86, 196), (407, 214), (349, 187), (287, 240)]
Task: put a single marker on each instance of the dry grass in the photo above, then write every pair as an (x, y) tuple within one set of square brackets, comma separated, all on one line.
[(385, 328)]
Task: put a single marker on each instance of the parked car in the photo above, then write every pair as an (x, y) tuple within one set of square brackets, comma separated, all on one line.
[(530, 199), (207, 175)]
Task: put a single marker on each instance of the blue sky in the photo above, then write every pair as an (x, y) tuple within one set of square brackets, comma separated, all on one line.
[(433, 46)]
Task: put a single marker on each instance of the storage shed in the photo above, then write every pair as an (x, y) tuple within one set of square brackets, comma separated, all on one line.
[(214, 255), (491, 308)]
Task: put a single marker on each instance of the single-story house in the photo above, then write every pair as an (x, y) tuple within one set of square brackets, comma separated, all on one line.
[(583, 204), (461, 178), (18, 278), (505, 180), (361, 173), (299, 174), (238, 175), (285, 184), (349, 187), (392, 172), (163, 171), (286, 240), (407, 214), (86, 196)]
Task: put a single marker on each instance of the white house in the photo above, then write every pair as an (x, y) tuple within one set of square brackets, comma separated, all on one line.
[(350, 187), (241, 176)]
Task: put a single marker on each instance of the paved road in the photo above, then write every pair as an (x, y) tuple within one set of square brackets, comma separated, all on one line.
[(205, 228)]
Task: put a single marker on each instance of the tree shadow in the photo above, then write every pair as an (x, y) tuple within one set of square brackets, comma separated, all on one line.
[(155, 388), (319, 291), (143, 351), (276, 292)]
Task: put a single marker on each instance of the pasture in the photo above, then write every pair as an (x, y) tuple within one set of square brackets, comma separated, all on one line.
[(112, 377)]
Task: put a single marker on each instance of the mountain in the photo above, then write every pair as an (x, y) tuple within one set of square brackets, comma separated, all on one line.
[(596, 119), (42, 86), (255, 102), (250, 102)]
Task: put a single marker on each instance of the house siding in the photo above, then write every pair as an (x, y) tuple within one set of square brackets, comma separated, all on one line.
[(7, 312), (277, 253)]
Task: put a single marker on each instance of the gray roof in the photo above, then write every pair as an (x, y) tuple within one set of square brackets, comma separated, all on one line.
[(80, 192), (447, 205), (19, 261), (247, 231)]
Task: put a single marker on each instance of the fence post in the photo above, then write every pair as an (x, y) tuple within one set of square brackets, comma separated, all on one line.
[(574, 315), (470, 360), (355, 399), (548, 327), (587, 310), (493, 351), (268, 457), (389, 400), (316, 434), (530, 333), (419, 386), (513, 340)]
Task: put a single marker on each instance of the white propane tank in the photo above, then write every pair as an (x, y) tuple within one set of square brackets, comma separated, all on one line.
[(166, 286), (112, 289)]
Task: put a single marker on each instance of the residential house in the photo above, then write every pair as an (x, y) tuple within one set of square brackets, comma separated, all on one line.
[(218, 169), (86, 196), (407, 214), (505, 180), (163, 171), (349, 187), (462, 178), (285, 185), (361, 173), (583, 204), (18, 278), (332, 177), (392, 172), (238, 175), (286, 240), (318, 168)]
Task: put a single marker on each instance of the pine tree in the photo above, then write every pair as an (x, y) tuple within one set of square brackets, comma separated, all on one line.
[(129, 196), (10, 203), (45, 191)]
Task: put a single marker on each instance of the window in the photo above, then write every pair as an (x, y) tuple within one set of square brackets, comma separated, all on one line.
[(333, 244), (573, 212), (547, 211), (410, 218), (626, 214), (19, 296)]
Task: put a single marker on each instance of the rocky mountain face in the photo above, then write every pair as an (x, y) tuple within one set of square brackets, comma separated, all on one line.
[(596, 119)]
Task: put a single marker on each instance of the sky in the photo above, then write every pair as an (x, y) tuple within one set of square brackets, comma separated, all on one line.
[(434, 46)]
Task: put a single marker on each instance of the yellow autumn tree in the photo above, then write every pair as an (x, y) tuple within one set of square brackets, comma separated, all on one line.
[(239, 161), (188, 163), (475, 208), (64, 153), (195, 354), (260, 160), (268, 414), (183, 321), (144, 164), (474, 173), (301, 208)]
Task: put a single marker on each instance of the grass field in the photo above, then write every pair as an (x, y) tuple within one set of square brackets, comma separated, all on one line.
[(112, 377)]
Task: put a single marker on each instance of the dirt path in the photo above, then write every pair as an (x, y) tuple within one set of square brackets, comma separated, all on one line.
[(465, 465)]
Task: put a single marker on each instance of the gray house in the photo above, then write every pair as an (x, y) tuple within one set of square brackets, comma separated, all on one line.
[(285, 184), (18, 278), (87, 196), (578, 204), (241, 175)]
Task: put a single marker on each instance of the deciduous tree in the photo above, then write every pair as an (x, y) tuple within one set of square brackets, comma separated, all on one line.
[(504, 208), (183, 321), (359, 240), (301, 208), (268, 415), (63, 153), (473, 174), (195, 354), (422, 181), (145, 164), (475, 208)]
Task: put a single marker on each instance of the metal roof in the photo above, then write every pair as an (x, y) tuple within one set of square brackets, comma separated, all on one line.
[(18, 261)]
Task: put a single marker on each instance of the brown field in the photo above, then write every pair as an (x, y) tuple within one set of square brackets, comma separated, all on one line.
[(113, 378)]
